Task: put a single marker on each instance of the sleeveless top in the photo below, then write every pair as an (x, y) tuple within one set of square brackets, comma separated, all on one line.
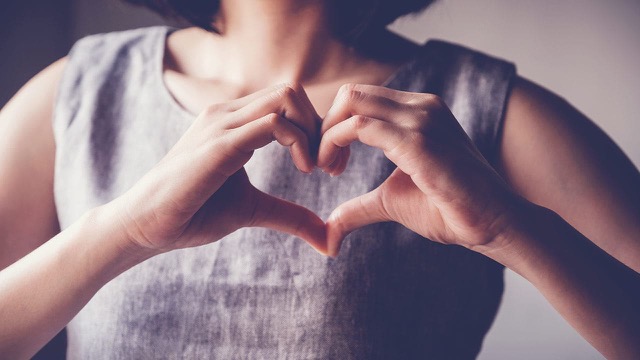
[(257, 293)]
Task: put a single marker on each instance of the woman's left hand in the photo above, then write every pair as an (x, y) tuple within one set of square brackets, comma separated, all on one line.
[(443, 188)]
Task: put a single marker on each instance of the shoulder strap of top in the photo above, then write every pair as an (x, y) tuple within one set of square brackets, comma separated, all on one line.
[(100, 68), (105, 78), (474, 85)]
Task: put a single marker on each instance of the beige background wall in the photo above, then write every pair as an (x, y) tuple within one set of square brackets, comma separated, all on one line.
[(586, 50)]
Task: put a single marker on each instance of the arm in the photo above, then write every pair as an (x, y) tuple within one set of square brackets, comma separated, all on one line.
[(446, 191), (594, 292), (587, 180), (41, 292), (27, 211), (184, 201), (557, 158)]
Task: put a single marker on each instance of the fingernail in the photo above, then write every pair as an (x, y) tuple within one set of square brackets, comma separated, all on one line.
[(329, 168)]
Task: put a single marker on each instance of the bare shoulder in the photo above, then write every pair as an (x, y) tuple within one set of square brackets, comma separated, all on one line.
[(27, 153), (35, 97), (556, 157)]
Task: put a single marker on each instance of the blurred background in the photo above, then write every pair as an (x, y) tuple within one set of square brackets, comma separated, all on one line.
[(588, 51)]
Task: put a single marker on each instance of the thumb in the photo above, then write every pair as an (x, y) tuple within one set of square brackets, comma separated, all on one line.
[(352, 215), (281, 215)]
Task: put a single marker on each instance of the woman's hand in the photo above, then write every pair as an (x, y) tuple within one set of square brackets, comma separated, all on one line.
[(199, 192), (443, 188)]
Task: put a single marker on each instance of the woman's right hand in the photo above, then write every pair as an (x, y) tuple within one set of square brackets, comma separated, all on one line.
[(199, 192)]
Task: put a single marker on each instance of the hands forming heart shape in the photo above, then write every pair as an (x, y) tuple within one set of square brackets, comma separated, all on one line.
[(442, 188)]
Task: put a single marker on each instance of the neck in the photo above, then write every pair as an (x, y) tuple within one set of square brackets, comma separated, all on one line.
[(269, 42)]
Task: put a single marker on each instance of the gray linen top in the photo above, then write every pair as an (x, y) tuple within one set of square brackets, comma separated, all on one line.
[(260, 294)]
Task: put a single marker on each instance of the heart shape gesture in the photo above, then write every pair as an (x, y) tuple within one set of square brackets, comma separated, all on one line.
[(443, 188)]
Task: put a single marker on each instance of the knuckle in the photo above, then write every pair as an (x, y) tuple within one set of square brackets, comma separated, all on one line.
[(433, 102), (286, 91), (227, 154), (214, 109), (421, 114), (348, 87), (417, 139), (294, 85), (273, 120), (411, 140), (360, 122), (419, 117), (352, 95), (426, 109), (218, 133)]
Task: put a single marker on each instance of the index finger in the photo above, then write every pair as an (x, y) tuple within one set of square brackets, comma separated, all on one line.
[(289, 101), (366, 100)]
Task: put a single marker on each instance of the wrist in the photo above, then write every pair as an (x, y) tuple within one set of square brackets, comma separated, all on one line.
[(114, 237), (521, 236)]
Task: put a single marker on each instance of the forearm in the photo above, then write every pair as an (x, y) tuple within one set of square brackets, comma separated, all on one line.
[(40, 293), (594, 292)]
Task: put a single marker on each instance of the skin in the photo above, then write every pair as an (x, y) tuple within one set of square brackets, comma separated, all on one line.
[(542, 221)]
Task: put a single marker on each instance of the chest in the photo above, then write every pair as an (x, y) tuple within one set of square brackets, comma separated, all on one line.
[(195, 94)]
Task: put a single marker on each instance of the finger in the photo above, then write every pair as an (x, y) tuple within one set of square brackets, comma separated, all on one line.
[(306, 102), (340, 164), (314, 136), (261, 132), (243, 101), (281, 215), (345, 154), (288, 101), (366, 100), (370, 131), (351, 215), (314, 131), (236, 104), (397, 95)]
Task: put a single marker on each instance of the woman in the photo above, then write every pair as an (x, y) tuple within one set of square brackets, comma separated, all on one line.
[(138, 174)]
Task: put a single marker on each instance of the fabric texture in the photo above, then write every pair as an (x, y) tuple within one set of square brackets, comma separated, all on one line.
[(260, 294)]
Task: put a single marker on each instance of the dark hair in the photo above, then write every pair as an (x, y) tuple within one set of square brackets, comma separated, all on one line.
[(349, 18)]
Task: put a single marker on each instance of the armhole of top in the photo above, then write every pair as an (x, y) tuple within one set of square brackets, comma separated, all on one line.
[(65, 104), (496, 139), (488, 78)]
